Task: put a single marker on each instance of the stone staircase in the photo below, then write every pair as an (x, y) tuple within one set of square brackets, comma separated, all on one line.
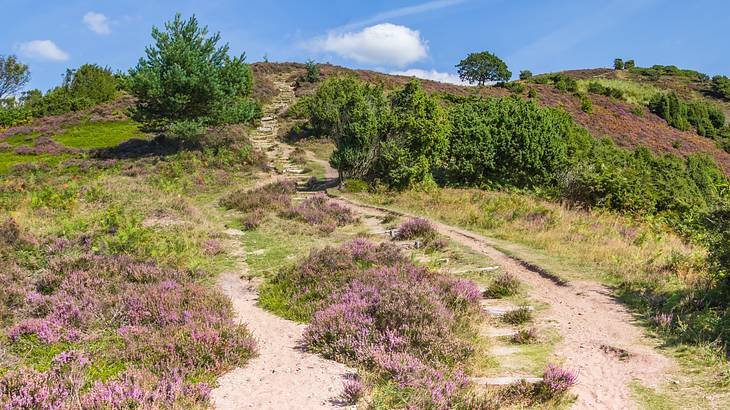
[(266, 137)]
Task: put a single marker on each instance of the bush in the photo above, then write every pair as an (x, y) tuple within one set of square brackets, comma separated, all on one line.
[(525, 74), (706, 118), (271, 197), (416, 139), (721, 86), (629, 64), (510, 141), (91, 82), (322, 213), (515, 87), (618, 64), (416, 228), (187, 77), (312, 75), (352, 114), (586, 105), (11, 116), (671, 108), (503, 286), (531, 93), (517, 316)]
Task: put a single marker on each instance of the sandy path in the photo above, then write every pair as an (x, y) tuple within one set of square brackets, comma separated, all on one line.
[(283, 376), (588, 319)]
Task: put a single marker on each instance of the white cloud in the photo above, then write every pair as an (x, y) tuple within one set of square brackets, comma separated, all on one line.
[(431, 75), (42, 50), (97, 22), (381, 44)]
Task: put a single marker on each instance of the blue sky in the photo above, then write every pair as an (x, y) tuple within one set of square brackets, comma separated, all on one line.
[(426, 38)]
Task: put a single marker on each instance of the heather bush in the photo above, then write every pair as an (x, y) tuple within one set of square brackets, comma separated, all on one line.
[(322, 213), (502, 286), (517, 316), (270, 197), (370, 307), (416, 228), (108, 330), (556, 381)]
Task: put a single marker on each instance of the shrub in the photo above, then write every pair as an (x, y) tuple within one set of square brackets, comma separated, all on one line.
[(370, 307), (721, 86), (532, 93), (515, 87), (618, 64), (319, 211), (416, 228), (517, 316), (187, 77), (510, 141), (556, 381), (586, 105), (502, 286), (629, 64), (671, 108), (416, 138), (352, 114), (525, 336), (273, 196), (312, 75), (91, 82), (525, 74)]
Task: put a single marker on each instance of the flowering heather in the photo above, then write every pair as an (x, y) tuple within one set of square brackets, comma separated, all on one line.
[(416, 228), (352, 390), (322, 213), (371, 307), (165, 326), (274, 196), (556, 381)]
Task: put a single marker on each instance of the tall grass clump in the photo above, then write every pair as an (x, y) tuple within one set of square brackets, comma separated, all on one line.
[(370, 307)]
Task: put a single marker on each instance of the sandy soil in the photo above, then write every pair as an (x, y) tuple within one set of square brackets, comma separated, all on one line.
[(283, 376)]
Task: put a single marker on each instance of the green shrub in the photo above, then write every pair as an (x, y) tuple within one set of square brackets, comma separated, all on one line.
[(13, 115), (671, 108), (416, 139), (91, 82), (704, 117), (532, 93), (586, 105), (186, 76), (629, 64), (721, 86), (510, 141), (503, 286), (312, 75), (515, 87), (618, 64), (525, 74), (517, 316)]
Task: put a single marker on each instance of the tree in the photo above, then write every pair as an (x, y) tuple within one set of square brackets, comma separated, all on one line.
[(483, 67), (13, 75), (721, 86), (618, 64), (91, 81), (525, 74), (186, 77), (629, 64)]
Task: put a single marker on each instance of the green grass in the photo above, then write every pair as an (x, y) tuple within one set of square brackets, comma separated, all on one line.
[(9, 159), (99, 135), (21, 139), (650, 399), (634, 93)]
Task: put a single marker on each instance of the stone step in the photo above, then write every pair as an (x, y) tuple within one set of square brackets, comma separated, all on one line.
[(504, 350), (503, 380), (500, 309), (500, 332)]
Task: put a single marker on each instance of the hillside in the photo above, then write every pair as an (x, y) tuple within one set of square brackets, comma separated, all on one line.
[(611, 118)]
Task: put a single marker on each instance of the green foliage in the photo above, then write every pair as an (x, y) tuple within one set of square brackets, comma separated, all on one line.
[(312, 75), (598, 88), (618, 64), (99, 134), (91, 82), (561, 81), (13, 114), (532, 93), (586, 105), (510, 141), (656, 71), (187, 77), (515, 87), (719, 245), (351, 113), (671, 108), (525, 74), (721, 86), (483, 67), (629, 64), (416, 139), (706, 118), (13, 75)]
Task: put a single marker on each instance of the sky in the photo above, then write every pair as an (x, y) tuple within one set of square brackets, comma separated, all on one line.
[(421, 38)]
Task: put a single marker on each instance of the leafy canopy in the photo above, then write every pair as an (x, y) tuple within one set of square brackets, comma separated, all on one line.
[(13, 75), (187, 77), (483, 67)]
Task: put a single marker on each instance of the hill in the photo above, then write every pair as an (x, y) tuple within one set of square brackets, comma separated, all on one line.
[(625, 122)]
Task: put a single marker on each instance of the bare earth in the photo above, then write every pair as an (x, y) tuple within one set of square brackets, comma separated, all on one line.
[(588, 319), (283, 376)]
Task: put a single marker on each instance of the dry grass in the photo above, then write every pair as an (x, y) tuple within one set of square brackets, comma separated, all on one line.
[(570, 242)]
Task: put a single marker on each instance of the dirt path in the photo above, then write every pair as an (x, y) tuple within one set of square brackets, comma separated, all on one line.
[(283, 375), (595, 328)]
